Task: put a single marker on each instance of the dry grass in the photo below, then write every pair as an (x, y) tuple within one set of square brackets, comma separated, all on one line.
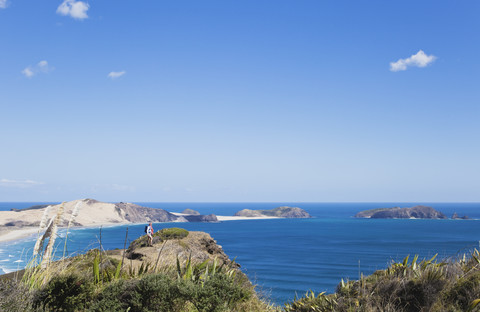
[(407, 286)]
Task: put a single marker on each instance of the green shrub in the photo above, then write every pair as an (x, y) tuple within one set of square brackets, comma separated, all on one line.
[(464, 291), (116, 296), (155, 292), (64, 293), (158, 292), (172, 233), (14, 296), (419, 295), (219, 293)]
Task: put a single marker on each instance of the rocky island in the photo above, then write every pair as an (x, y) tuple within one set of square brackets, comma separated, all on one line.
[(417, 212), (280, 212)]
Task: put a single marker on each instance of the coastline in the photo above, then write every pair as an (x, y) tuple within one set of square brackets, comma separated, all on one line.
[(7, 234)]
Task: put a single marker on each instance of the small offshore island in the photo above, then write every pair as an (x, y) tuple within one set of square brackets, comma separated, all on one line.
[(416, 212), (280, 212)]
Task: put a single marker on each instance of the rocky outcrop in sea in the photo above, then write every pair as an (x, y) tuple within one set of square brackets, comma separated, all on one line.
[(280, 212), (417, 212)]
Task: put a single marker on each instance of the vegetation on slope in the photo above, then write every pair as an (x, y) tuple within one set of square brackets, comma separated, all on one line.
[(404, 287), (108, 281)]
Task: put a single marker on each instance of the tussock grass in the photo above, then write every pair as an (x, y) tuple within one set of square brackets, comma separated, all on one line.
[(407, 286)]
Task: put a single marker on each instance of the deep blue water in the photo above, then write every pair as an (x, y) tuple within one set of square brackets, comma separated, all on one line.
[(288, 256)]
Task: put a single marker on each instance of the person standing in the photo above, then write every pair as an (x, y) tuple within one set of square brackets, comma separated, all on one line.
[(150, 234)]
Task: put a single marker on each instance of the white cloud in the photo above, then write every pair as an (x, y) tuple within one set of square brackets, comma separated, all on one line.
[(18, 183), (419, 60), (28, 72), (3, 4), (41, 67), (115, 75), (43, 64), (75, 9)]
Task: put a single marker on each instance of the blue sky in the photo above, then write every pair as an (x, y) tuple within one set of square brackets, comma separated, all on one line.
[(239, 100)]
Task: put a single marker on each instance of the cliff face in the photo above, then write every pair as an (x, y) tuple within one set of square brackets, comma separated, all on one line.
[(280, 212), (137, 214), (201, 218), (418, 212)]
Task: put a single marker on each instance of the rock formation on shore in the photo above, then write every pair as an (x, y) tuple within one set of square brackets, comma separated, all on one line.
[(280, 212), (418, 212), (455, 216)]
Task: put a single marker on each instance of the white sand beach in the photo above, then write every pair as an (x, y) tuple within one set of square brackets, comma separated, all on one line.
[(13, 234), (236, 218)]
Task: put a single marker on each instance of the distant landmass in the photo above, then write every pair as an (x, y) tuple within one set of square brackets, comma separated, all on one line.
[(191, 212), (418, 212), (30, 208), (91, 212), (280, 212)]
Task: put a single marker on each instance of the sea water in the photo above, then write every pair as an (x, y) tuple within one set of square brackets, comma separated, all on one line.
[(287, 257)]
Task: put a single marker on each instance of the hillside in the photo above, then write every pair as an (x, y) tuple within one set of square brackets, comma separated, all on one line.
[(412, 285), (182, 272), (90, 212)]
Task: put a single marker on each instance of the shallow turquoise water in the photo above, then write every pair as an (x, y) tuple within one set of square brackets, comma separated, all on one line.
[(288, 256)]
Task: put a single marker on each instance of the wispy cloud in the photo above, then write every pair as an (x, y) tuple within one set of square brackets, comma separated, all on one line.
[(18, 183), (76, 9), (3, 4), (419, 60), (41, 67), (115, 75), (28, 72)]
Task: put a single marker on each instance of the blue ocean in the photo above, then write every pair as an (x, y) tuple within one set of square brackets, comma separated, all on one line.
[(287, 257)]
